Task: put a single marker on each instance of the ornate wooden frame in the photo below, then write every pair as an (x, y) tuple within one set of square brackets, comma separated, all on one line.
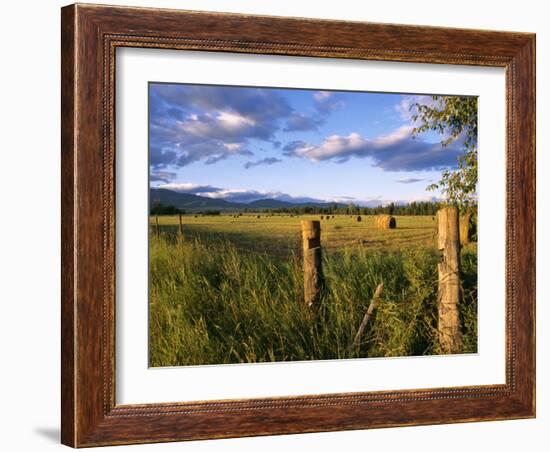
[(90, 35)]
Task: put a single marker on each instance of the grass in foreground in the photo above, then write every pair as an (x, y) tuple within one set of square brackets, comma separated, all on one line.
[(212, 303)]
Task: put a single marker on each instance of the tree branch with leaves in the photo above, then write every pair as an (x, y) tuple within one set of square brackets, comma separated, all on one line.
[(455, 119)]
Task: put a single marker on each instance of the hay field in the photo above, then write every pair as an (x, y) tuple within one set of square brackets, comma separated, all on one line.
[(231, 290), (281, 234)]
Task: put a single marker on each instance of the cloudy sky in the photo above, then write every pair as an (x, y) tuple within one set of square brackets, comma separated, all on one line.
[(246, 143)]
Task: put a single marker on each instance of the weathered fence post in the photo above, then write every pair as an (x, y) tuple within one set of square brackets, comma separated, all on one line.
[(313, 275), (450, 335), (465, 228), (181, 226), (157, 225)]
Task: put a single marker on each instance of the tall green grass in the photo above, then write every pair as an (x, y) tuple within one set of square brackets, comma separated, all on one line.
[(214, 304)]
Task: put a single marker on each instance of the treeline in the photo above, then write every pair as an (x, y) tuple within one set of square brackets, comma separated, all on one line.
[(413, 208), (208, 212), (160, 209)]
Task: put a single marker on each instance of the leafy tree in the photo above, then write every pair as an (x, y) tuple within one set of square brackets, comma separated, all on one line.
[(454, 118), (160, 209)]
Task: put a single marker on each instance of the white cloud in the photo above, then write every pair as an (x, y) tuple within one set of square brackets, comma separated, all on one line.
[(220, 125), (334, 146), (396, 151), (327, 101), (190, 123), (322, 95), (187, 187), (234, 120), (162, 176), (404, 107), (398, 135)]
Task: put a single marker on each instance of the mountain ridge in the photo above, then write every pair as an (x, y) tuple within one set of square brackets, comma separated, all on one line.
[(191, 202)]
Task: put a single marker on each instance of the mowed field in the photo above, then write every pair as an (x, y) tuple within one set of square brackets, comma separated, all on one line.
[(281, 234), (230, 290)]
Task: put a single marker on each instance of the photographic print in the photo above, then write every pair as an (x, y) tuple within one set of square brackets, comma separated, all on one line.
[(300, 224), (266, 231)]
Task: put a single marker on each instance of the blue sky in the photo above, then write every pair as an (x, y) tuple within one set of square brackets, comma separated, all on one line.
[(248, 143)]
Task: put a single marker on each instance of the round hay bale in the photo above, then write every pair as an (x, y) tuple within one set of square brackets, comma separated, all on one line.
[(385, 222)]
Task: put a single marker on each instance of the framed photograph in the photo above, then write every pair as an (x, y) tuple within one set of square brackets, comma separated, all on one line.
[(281, 225)]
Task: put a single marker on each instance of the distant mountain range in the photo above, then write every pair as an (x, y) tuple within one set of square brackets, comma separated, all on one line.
[(190, 202)]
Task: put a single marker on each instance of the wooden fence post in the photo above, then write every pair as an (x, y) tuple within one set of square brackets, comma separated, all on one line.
[(181, 226), (157, 225), (450, 334), (465, 228), (313, 275)]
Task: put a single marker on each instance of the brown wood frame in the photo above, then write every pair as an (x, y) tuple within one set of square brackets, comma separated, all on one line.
[(90, 35)]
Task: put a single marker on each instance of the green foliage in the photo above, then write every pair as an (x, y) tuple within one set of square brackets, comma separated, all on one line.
[(454, 118), (468, 305), (212, 304), (412, 208), (160, 209), (211, 213)]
